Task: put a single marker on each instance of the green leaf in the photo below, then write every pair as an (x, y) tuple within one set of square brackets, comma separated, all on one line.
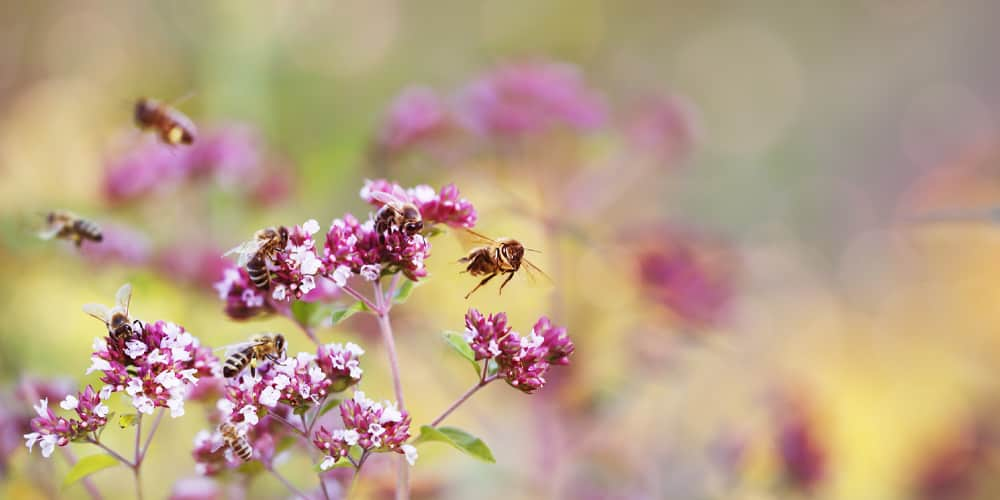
[(333, 403), (339, 315), (307, 313), (404, 291), (127, 420), (87, 466), (458, 343), (251, 468), (459, 439), (492, 367), (301, 410), (339, 464)]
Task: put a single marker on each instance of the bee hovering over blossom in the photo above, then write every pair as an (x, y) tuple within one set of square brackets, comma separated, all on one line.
[(499, 256), (256, 253), (171, 125), (68, 226), (117, 318), (396, 214), (233, 440), (266, 346)]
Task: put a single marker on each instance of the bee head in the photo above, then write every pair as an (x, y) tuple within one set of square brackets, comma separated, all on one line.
[(514, 251), (413, 227), (143, 109)]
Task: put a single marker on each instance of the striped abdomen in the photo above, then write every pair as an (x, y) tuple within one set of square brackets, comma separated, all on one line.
[(257, 270), (87, 229), (239, 444), (237, 362)]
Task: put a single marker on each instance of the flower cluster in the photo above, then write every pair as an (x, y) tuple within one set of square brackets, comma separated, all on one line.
[(354, 248), (369, 425), (156, 366), (51, 430), (417, 115), (444, 207), (212, 456), (529, 98), (521, 361), (243, 299), (295, 268)]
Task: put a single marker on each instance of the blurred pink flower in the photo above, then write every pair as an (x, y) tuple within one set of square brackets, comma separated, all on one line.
[(666, 128), (415, 116), (530, 97), (200, 266), (801, 453), (243, 299), (196, 488), (121, 245)]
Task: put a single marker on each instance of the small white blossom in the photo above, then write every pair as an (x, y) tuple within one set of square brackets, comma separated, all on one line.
[(375, 429), (70, 403), (143, 404), (422, 193), (351, 437), (134, 386), (315, 374), (135, 348), (157, 357), (281, 381), (97, 364), (311, 226), (307, 285), (229, 277), (410, 452), (279, 292), (249, 413), (308, 262), (105, 392), (355, 369), (30, 439), (269, 396), (340, 275), (99, 344), (371, 272), (327, 463), (168, 380), (225, 406), (494, 348), (304, 390), (189, 375), (390, 414), (354, 349), (176, 406), (101, 410), (42, 408), (252, 299), (469, 335)]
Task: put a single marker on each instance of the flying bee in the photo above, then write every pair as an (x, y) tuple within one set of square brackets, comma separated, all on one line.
[(266, 346), (499, 256), (68, 226), (116, 319), (232, 439), (171, 125), (396, 214), (254, 254)]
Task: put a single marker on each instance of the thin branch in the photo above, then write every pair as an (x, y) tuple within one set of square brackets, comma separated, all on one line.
[(290, 425), (152, 432), (111, 452), (385, 326), (358, 295), (138, 457), (287, 484), (458, 402)]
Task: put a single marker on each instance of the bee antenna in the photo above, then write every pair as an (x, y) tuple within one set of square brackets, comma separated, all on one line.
[(532, 250)]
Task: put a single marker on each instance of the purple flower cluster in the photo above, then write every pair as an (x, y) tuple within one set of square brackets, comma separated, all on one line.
[(354, 248), (155, 367), (444, 207), (51, 430), (243, 299), (119, 245), (212, 456), (369, 425), (416, 116), (295, 268), (521, 361)]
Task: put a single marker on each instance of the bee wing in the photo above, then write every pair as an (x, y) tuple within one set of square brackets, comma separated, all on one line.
[(535, 275), (49, 232), (470, 239), (387, 199), (124, 296), (245, 250), (99, 311), (233, 348)]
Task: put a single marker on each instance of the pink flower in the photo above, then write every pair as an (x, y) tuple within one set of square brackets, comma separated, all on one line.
[(196, 488), (529, 98), (351, 246), (340, 364), (296, 267), (193, 265), (415, 116), (444, 207), (243, 299), (372, 426), (667, 128), (50, 430)]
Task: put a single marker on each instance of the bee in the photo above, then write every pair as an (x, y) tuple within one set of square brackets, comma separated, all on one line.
[(68, 226), (117, 318), (499, 256), (266, 346), (254, 254), (234, 441), (396, 214), (171, 125)]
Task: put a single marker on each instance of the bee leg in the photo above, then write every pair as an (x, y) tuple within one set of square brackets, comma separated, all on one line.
[(509, 276), (253, 369), (481, 283), (137, 327)]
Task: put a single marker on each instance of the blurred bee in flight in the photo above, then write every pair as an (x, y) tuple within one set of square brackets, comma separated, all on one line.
[(68, 226), (498, 257), (266, 346), (117, 319), (256, 253), (232, 439), (396, 214), (171, 125)]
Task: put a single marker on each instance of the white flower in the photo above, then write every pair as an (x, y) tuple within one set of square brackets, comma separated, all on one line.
[(532, 341), (251, 298), (47, 442), (279, 292), (315, 374), (469, 335), (311, 226), (304, 390), (30, 440), (134, 386), (494, 348), (97, 364), (100, 344), (410, 452), (180, 354), (157, 357), (354, 349), (202, 437), (249, 413), (307, 284), (327, 463), (223, 286), (105, 392), (70, 403), (101, 410), (422, 193), (355, 369), (269, 396), (340, 275), (168, 380), (390, 414), (135, 348), (42, 408), (176, 406), (375, 429), (143, 404), (189, 375), (351, 437), (308, 262), (371, 272), (362, 401), (225, 406), (281, 381)]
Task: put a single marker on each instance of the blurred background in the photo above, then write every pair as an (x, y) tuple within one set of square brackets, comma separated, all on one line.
[(771, 227)]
